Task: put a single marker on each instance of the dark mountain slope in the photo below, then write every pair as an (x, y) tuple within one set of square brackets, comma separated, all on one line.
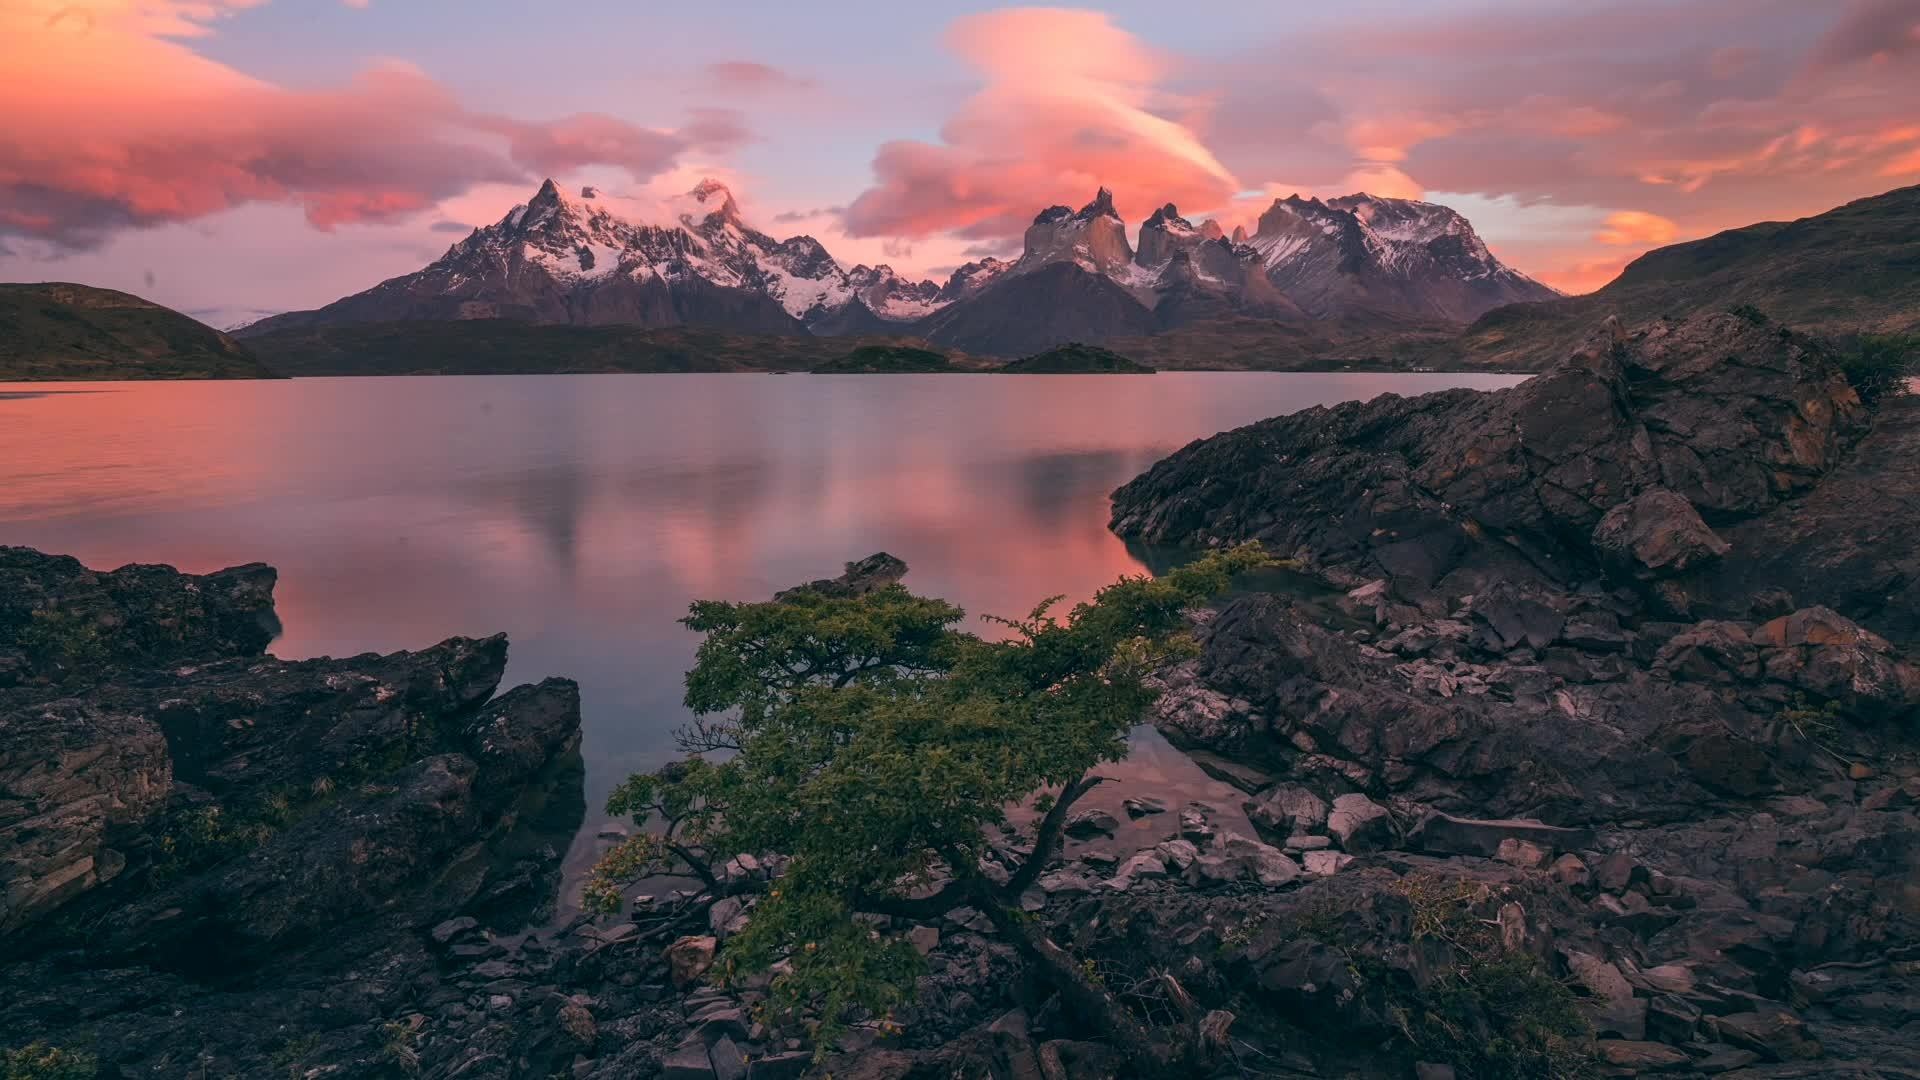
[(1054, 305), (60, 331), (1851, 270)]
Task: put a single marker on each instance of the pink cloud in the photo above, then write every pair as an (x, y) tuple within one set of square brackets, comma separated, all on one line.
[(750, 77), (1872, 30), (1068, 104), (112, 125), (1664, 119)]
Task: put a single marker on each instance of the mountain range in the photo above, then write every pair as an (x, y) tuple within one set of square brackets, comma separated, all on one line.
[(1851, 271), (590, 259)]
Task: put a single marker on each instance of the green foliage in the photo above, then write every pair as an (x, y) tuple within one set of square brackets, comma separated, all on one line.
[(1491, 1013), (1817, 724), (1880, 365), (871, 742), (38, 1061), (205, 835), (57, 639), (292, 1052), (400, 1042)]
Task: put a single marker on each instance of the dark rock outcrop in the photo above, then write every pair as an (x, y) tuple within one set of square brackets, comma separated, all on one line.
[(259, 845), (56, 616), (1445, 493), (871, 574)]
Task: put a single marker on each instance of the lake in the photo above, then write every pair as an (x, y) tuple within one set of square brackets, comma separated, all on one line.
[(582, 513)]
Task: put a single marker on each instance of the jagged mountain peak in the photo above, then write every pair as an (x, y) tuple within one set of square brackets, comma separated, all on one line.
[(1094, 238), (1165, 234), (1101, 206), (1168, 215), (588, 255), (717, 199), (1369, 251)]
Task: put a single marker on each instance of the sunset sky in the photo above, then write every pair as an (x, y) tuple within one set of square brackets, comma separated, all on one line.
[(233, 157)]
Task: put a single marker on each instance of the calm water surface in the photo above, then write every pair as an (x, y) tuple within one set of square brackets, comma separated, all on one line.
[(581, 514)]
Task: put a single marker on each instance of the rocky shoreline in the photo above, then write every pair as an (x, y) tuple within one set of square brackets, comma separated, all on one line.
[(1576, 606), (1604, 743)]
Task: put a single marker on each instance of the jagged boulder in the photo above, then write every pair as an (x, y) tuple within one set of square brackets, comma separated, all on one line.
[(75, 781), (241, 729), (1821, 652), (1655, 534), (871, 574)]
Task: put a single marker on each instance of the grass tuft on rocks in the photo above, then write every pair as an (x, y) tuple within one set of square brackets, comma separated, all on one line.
[(38, 1061)]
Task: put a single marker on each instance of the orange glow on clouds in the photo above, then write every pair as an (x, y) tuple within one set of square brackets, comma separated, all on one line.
[(112, 121), (1067, 106), (1636, 228), (1649, 122)]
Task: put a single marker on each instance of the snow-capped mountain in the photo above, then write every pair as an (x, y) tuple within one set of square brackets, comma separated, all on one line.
[(1355, 256), (595, 258), (588, 260), (1364, 252)]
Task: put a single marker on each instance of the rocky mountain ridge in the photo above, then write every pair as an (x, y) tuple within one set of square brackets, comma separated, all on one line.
[(591, 259)]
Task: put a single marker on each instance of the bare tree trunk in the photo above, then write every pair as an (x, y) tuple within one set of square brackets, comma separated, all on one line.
[(1084, 996), (1047, 836)]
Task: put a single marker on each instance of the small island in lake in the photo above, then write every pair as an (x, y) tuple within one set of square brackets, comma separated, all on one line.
[(1075, 359)]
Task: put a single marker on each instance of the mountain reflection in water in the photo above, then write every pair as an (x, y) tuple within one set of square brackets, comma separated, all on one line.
[(581, 514)]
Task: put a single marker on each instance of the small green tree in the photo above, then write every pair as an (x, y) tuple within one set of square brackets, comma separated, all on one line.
[(873, 744)]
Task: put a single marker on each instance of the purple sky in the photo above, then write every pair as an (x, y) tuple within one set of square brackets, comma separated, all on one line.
[(233, 158)]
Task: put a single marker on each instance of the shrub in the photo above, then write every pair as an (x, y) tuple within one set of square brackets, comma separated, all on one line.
[(38, 1061), (1880, 365)]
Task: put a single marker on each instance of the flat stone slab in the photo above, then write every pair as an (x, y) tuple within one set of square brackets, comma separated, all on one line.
[(1444, 834), (1245, 777)]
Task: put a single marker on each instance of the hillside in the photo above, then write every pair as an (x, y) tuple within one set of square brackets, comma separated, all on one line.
[(510, 347), (57, 331), (1854, 269), (1353, 343)]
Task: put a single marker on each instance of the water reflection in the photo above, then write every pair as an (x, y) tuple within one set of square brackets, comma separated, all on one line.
[(581, 514)]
